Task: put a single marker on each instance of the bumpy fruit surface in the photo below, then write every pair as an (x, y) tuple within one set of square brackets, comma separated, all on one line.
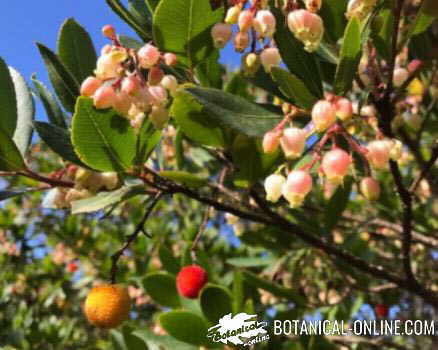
[(107, 306), (190, 280)]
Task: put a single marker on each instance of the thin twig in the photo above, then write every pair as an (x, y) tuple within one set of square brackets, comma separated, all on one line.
[(427, 167)]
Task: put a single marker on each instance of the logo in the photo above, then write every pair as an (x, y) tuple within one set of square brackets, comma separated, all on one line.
[(242, 329)]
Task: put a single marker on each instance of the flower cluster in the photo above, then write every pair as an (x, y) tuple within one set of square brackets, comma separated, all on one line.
[(132, 81)]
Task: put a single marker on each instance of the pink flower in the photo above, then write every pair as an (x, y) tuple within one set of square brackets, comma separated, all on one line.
[(298, 184), (335, 164)]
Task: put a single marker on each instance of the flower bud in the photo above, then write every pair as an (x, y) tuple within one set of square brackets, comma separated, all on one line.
[(108, 65), (298, 184), (159, 116), (109, 32), (89, 86), (396, 150), (269, 58), (378, 153), (323, 115), (293, 142), (400, 76), (158, 95), (273, 187), (170, 59), (137, 120), (221, 34), (360, 8), (106, 50), (250, 64), (155, 75), (122, 103), (170, 83), (370, 188), (416, 87), (148, 56), (271, 140), (368, 111), (241, 41), (307, 27), (110, 180), (130, 85), (264, 23), (233, 15), (335, 165), (344, 108), (245, 21), (104, 97), (313, 5)]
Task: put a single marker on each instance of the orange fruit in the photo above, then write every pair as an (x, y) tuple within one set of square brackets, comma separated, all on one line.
[(107, 305)]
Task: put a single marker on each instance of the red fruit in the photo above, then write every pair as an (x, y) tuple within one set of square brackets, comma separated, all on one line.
[(381, 310), (72, 267), (190, 281)]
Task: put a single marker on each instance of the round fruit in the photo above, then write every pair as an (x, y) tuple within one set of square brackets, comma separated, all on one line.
[(190, 281), (107, 305), (382, 310)]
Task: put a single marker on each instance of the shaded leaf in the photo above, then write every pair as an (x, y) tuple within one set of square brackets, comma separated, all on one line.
[(170, 263), (8, 101), (210, 71), (148, 138), (337, 204), (333, 15), (129, 42), (161, 342), (162, 288), (215, 302), (10, 157)]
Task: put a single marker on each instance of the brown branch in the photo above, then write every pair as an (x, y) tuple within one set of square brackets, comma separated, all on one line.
[(426, 168), (32, 175)]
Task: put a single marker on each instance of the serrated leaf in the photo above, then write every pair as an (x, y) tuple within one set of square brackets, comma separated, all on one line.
[(298, 61), (101, 138), (162, 289), (161, 342), (65, 85), (183, 27), (337, 204), (10, 157), (349, 57), (291, 86), (105, 199), (58, 140), (194, 122), (215, 302), (185, 326), (76, 50), (235, 112), (25, 112), (184, 178), (8, 101)]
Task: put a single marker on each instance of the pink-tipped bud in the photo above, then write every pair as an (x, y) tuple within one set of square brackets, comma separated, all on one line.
[(269, 58), (170, 83), (89, 86), (323, 115), (148, 56), (106, 49), (221, 34), (370, 188), (104, 97), (298, 184), (109, 32), (130, 85), (170, 59), (335, 165), (400, 76), (307, 27), (233, 15), (379, 153), (155, 75), (122, 103), (313, 5), (344, 108), (264, 23), (271, 141), (158, 95), (241, 41), (245, 21), (159, 116), (273, 186), (293, 142)]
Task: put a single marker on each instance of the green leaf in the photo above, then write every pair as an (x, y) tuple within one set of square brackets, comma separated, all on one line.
[(238, 291), (299, 62), (25, 112), (129, 18), (264, 81), (169, 262), (184, 178), (125, 340), (141, 13), (8, 101), (185, 326), (215, 302), (423, 19), (102, 139), (54, 112), (161, 342), (236, 112), (76, 50), (194, 122), (337, 204), (383, 37), (129, 42), (162, 289), (65, 85), (250, 261), (333, 15), (148, 138), (105, 199), (349, 57), (10, 157), (210, 71), (58, 140), (293, 87), (183, 27), (152, 4)]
